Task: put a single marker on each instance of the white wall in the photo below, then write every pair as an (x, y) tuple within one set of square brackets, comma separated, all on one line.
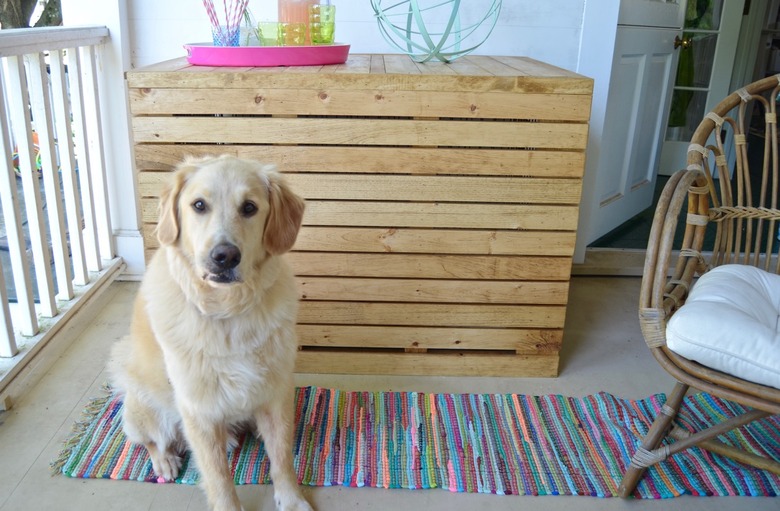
[(545, 30)]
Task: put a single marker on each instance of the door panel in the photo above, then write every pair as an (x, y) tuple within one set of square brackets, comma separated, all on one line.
[(635, 119)]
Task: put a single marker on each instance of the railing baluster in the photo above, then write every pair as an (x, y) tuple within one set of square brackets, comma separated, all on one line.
[(8, 345), (97, 165), (62, 116), (82, 152), (26, 321), (40, 101), (21, 126)]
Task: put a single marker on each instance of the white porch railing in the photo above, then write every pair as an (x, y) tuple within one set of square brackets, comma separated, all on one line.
[(56, 243)]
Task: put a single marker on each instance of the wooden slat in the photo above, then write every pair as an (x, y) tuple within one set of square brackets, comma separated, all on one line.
[(17, 42), (424, 215), (467, 216), (421, 314), (8, 347), (432, 266), (390, 76), (520, 341), (303, 69), (434, 68), (400, 64), (442, 241), (493, 66), (439, 291), (414, 188), (80, 135), (358, 64), (68, 166), (383, 160), (165, 66), (338, 131), (437, 188), (96, 153), (423, 241), (427, 364), (531, 67), (368, 102), (318, 264)]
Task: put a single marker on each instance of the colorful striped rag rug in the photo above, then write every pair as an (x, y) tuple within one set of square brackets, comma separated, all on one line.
[(486, 443)]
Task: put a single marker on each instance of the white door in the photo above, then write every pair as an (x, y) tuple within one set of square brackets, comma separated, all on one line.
[(709, 44), (637, 109)]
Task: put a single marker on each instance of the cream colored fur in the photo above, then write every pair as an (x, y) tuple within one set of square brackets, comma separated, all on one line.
[(209, 350)]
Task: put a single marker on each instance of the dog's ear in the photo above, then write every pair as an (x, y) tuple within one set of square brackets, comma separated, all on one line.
[(285, 216), (168, 222)]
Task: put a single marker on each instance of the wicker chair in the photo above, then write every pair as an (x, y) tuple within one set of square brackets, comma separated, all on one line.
[(742, 214)]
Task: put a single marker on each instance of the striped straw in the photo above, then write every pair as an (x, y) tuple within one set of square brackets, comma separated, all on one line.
[(233, 10)]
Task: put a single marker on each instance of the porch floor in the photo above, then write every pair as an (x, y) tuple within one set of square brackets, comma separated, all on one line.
[(603, 350)]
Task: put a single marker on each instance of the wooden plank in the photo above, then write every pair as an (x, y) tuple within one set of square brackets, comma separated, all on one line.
[(383, 160), (437, 188), (430, 266), (493, 66), (165, 66), (430, 241), (26, 42), (413, 188), (424, 215), (465, 216), (390, 76), (434, 68), (427, 314), (401, 64), (377, 66), (149, 211), (338, 131), (356, 64), (439, 291), (303, 69), (528, 66), (423, 241), (427, 364), (470, 105), (419, 266), (466, 67), (520, 341)]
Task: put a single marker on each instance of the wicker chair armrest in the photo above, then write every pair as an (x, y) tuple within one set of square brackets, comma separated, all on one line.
[(664, 291)]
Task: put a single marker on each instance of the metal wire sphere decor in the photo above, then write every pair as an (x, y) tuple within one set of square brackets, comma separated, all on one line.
[(405, 25)]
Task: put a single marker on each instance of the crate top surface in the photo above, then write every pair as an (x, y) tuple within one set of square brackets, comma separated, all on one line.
[(375, 71)]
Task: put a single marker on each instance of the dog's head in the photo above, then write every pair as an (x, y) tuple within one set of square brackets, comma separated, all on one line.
[(227, 215)]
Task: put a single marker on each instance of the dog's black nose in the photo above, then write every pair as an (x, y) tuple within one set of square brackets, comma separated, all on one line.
[(225, 256)]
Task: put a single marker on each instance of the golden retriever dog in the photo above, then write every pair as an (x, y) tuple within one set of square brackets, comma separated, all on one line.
[(212, 343)]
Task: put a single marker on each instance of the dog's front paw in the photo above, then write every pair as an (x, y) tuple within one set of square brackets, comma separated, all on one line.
[(167, 465), (294, 502)]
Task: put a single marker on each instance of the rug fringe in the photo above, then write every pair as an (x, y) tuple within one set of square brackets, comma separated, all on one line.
[(80, 427)]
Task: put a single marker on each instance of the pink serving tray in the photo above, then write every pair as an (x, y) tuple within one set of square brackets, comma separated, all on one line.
[(204, 54)]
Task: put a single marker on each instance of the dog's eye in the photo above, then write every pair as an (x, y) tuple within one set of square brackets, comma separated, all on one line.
[(199, 205), (248, 209)]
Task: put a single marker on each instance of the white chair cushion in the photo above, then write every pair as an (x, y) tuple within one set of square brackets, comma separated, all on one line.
[(730, 323)]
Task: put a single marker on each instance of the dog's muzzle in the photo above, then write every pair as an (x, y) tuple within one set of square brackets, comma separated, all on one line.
[(223, 260)]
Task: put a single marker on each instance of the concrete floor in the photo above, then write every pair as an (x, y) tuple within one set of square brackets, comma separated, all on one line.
[(603, 350)]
